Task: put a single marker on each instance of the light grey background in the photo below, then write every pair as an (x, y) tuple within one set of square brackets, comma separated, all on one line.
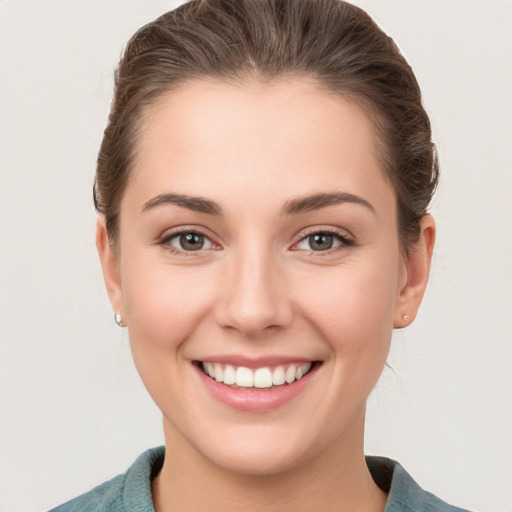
[(73, 412)]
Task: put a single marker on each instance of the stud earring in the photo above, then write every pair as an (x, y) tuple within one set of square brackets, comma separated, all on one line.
[(405, 317), (119, 320)]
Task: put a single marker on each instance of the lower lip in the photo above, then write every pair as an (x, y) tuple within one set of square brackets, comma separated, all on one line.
[(253, 400)]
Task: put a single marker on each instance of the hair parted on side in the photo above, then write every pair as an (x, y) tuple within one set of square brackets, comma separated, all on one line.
[(330, 41)]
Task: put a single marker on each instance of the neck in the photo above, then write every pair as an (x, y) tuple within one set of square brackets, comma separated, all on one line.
[(335, 480)]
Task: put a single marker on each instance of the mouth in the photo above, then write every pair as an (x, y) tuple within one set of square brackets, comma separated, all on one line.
[(257, 379)]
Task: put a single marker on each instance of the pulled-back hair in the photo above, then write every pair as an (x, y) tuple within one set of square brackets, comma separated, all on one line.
[(331, 41)]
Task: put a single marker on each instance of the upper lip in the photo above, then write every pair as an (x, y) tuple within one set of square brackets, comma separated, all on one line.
[(255, 362)]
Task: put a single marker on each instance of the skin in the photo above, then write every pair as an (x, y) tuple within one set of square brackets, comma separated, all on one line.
[(258, 289)]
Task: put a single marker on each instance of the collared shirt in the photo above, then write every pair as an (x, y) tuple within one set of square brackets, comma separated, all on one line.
[(131, 491)]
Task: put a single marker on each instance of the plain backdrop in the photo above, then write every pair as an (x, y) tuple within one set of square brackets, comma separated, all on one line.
[(73, 411)]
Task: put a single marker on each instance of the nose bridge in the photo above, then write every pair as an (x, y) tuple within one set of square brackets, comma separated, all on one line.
[(255, 295)]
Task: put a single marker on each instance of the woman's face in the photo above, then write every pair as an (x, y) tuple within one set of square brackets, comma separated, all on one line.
[(258, 238)]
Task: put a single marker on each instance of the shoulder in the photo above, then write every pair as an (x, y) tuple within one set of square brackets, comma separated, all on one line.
[(104, 497), (130, 491), (405, 495)]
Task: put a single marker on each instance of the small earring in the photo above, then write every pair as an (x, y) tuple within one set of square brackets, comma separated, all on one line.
[(119, 320), (405, 317)]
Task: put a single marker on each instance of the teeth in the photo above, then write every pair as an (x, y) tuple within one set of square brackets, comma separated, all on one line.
[(278, 376), (263, 378), (244, 377), (229, 375), (260, 378), (290, 374), (208, 367), (302, 370), (219, 377)]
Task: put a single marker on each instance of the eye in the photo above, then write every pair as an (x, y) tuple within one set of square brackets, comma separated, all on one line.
[(323, 241), (188, 241)]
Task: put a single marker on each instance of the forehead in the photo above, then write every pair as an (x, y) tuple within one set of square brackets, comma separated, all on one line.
[(286, 134)]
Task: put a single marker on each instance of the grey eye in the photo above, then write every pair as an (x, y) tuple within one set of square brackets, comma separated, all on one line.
[(321, 241), (191, 241)]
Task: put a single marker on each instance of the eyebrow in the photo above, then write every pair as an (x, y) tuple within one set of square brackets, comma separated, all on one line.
[(196, 204), (300, 205), (318, 201)]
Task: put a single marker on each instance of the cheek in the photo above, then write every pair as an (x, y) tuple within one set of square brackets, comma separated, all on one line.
[(356, 294), (353, 307), (165, 303)]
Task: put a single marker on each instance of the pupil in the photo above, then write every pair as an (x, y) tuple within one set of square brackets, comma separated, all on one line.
[(192, 241), (320, 242)]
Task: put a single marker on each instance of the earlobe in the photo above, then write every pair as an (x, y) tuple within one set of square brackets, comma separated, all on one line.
[(417, 269), (109, 265)]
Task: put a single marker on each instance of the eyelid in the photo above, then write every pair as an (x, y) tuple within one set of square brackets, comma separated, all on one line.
[(165, 238), (343, 235)]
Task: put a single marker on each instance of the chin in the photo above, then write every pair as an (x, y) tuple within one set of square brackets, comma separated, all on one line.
[(257, 462), (259, 450)]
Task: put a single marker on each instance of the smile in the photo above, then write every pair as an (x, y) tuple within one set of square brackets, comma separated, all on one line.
[(259, 378), (256, 386)]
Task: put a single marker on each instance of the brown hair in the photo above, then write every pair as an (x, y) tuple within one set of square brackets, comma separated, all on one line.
[(331, 41)]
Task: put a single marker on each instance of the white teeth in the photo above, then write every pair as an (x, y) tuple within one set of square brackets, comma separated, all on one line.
[(218, 372), (259, 378), (263, 378), (209, 369), (244, 377), (278, 376), (302, 370), (229, 375), (289, 376)]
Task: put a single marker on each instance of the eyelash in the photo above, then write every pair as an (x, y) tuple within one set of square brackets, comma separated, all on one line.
[(166, 241), (342, 238)]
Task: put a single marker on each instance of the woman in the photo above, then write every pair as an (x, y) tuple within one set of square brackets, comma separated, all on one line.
[(262, 190)]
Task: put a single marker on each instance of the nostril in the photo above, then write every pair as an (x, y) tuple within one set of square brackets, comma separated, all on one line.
[(253, 300), (254, 320)]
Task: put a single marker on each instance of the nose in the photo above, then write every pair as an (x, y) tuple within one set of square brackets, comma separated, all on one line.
[(254, 296)]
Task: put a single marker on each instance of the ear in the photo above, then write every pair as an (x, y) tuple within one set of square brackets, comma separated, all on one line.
[(110, 266), (417, 268)]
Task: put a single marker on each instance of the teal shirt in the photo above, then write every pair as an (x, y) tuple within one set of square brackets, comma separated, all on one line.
[(131, 492)]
